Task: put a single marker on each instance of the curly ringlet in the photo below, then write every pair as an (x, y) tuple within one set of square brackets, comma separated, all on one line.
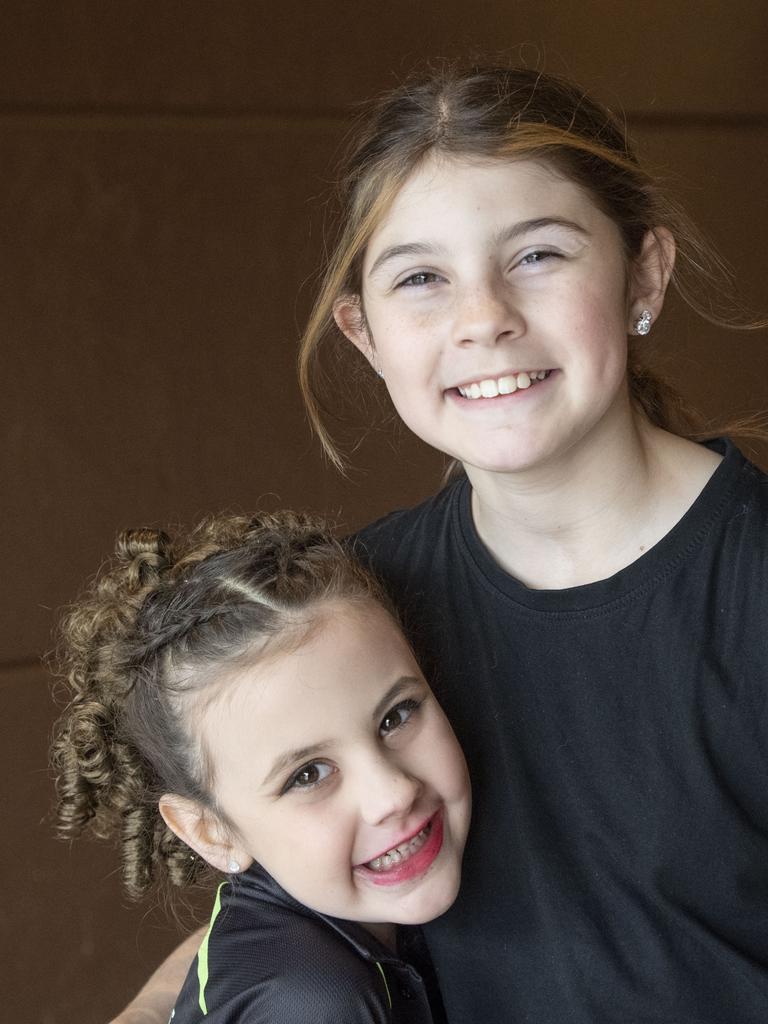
[(150, 640), (498, 112)]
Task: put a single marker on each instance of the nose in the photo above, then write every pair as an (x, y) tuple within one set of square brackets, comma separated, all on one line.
[(486, 314), (387, 790)]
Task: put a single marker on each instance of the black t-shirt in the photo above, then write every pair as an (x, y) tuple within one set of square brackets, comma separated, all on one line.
[(617, 866), (267, 959)]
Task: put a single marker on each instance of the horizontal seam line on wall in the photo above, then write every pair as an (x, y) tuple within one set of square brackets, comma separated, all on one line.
[(697, 119), (206, 120), (106, 120), (19, 664)]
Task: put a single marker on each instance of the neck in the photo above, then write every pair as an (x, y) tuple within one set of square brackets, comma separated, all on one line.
[(386, 933), (591, 512)]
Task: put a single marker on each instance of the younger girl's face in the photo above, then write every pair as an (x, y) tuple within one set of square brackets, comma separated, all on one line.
[(497, 308), (341, 773)]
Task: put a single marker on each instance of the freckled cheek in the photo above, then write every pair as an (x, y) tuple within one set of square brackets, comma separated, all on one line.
[(400, 333), (602, 339)]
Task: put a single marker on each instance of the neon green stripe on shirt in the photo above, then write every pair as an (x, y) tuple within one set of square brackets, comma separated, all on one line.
[(202, 953), (386, 986)]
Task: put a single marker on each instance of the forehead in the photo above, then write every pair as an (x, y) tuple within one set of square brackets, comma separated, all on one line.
[(444, 190), (347, 657), (333, 634)]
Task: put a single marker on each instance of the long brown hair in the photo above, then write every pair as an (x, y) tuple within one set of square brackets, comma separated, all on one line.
[(149, 640), (506, 113)]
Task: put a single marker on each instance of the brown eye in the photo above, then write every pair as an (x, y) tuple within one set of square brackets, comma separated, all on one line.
[(390, 722), (309, 776), (397, 716)]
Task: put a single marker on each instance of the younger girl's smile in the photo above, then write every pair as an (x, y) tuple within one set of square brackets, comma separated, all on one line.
[(356, 797), (410, 858)]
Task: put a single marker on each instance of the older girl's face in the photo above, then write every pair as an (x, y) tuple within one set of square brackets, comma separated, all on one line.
[(497, 306), (341, 774)]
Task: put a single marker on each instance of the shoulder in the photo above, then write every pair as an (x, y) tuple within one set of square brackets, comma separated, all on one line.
[(316, 982), (723, 597), (740, 492), (269, 960), (406, 535)]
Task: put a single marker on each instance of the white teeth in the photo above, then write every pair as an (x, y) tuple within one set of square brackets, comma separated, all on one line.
[(399, 853), (491, 387)]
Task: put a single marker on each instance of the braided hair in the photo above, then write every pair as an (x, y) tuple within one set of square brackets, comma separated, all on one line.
[(151, 637)]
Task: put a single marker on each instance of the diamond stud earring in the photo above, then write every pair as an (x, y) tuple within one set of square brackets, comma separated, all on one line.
[(643, 322)]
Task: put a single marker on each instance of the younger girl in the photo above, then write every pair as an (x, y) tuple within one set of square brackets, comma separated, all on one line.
[(246, 694)]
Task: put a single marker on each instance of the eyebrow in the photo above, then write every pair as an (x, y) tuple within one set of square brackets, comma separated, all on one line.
[(507, 234), (523, 227), (297, 755), (407, 249)]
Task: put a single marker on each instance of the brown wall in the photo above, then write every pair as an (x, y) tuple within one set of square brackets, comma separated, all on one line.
[(163, 171)]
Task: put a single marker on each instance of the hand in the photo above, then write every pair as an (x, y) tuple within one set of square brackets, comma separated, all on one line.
[(154, 1002)]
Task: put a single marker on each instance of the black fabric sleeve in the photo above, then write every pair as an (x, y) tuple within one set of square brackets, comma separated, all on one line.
[(295, 973), (310, 1000)]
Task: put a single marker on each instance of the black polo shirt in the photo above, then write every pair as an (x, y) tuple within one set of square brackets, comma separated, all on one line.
[(268, 959)]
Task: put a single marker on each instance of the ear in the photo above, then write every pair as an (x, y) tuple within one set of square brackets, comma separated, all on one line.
[(350, 319), (196, 826), (651, 272)]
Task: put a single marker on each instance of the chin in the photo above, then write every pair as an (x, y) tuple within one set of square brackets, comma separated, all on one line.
[(507, 462), (517, 456), (428, 906)]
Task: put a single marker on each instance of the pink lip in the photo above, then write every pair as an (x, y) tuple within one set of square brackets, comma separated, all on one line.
[(416, 864)]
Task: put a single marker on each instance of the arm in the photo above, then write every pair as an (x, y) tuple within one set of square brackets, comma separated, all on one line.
[(153, 1003)]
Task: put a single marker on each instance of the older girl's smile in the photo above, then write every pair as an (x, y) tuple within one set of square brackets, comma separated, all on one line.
[(496, 301)]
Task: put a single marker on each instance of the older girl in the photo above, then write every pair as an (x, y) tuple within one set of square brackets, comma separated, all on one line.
[(589, 590), (247, 695), (592, 587)]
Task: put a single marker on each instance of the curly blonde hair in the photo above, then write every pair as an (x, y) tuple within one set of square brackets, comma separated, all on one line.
[(148, 639)]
